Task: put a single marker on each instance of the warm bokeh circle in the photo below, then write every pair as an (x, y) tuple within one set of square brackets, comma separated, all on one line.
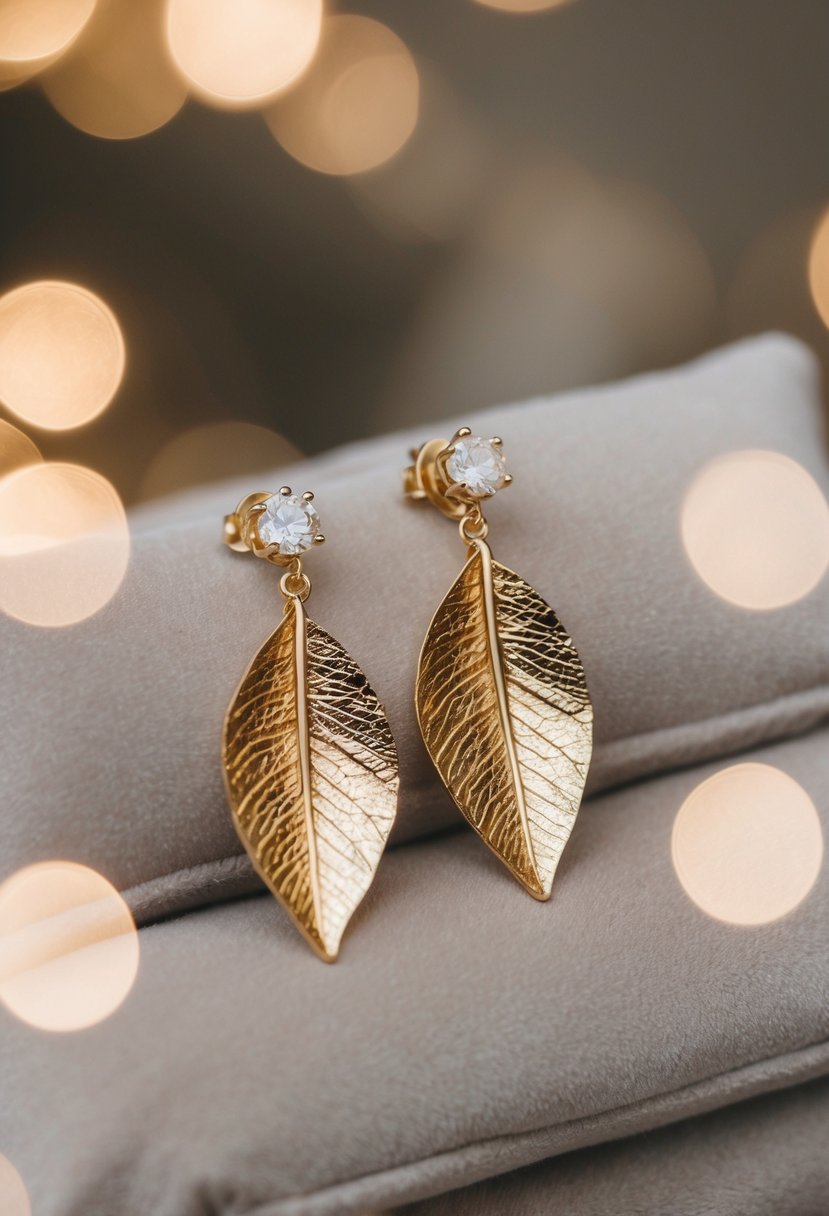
[(239, 53), (68, 946), (356, 106), (755, 526), (35, 30), (215, 451), (14, 1198), (747, 844), (16, 449), (62, 354), (64, 543), (523, 6), (117, 80)]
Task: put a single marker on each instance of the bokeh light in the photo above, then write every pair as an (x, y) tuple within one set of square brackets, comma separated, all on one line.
[(16, 449), (429, 191), (68, 946), (14, 1198), (11, 74), (238, 53), (747, 844), (34, 30), (356, 106), (523, 6), (819, 267), (581, 279), (117, 81), (61, 354), (215, 452), (64, 543), (755, 527), (618, 246)]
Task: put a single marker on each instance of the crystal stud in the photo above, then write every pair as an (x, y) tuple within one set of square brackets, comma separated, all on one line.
[(289, 523), (478, 464)]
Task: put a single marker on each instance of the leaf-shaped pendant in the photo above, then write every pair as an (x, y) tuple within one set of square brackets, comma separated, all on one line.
[(311, 774), (505, 714)]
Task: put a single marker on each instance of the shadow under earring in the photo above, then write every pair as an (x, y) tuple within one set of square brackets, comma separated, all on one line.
[(501, 695), (309, 760)]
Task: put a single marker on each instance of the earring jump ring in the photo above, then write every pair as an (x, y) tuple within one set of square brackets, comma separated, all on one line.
[(295, 585)]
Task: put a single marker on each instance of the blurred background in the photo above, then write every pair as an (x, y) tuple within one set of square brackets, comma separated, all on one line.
[(327, 222)]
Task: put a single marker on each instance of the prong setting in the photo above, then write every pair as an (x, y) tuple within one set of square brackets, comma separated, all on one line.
[(456, 474), (458, 489), (278, 527), (473, 467)]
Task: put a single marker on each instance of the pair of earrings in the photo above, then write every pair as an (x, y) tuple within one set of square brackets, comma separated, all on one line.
[(502, 703)]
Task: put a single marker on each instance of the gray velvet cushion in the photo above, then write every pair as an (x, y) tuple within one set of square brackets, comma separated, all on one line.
[(466, 1031), (109, 739), (766, 1157)]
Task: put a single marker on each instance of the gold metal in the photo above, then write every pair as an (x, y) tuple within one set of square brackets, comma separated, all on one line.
[(295, 583), (426, 479), (236, 524), (473, 526), (503, 707), (241, 532), (310, 766), (429, 477)]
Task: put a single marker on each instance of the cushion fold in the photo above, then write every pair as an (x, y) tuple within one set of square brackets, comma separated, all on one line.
[(466, 1030)]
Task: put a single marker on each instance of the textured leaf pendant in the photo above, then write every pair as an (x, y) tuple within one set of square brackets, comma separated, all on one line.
[(501, 694), (311, 773), (505, 715)]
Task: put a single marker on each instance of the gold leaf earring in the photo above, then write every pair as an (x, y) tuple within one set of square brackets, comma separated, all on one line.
[(309, 760), (501, 695)]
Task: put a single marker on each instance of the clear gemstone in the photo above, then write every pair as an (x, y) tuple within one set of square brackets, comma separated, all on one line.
[(289, 522), (478, 464)]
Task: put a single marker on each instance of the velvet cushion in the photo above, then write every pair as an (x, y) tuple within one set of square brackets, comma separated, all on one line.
[(467, 1030), (109, 731), (766, 1157)]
